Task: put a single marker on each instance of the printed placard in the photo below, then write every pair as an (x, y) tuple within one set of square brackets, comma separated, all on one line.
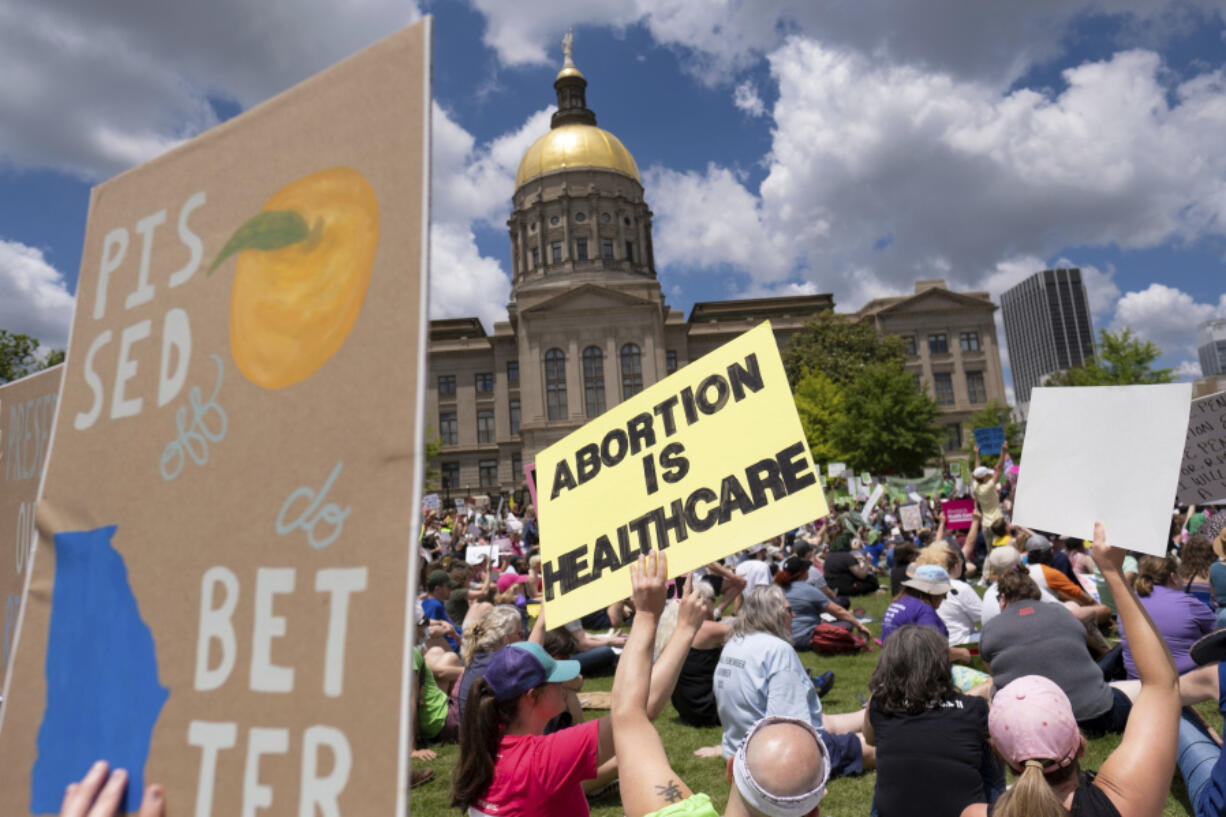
[(1202, 476), (704, 463), (431, 502), (959, 513), (27, 409), (220, 591), (990, 439), (836, 469), (1104, 453)]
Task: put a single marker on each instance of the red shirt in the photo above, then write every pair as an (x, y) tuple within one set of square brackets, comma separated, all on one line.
[(540, 775)]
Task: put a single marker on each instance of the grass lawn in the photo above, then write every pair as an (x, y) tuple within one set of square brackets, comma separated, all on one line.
[(845, 797)]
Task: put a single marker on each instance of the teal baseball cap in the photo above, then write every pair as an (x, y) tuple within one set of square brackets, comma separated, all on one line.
[(525, 665)]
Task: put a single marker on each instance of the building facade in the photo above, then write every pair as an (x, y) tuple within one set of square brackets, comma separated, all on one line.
[(1211, 347), (1047, 327), (952, 349), (588, 326)]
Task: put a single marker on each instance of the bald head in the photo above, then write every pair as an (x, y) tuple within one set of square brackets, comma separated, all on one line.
[(784, 759)]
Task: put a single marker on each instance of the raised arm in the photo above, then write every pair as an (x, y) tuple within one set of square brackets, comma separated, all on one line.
[(691, 613), (1137, 775), (647, 781), (976, 455), (1000, 461)]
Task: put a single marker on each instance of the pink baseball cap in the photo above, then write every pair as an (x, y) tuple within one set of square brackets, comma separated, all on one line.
[(1032, 719), (507, 580)]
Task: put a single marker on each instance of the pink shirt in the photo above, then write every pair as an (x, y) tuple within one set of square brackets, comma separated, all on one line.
[(540, 775)]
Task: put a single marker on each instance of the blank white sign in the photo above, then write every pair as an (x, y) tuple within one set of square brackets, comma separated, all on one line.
[(1104, 453)]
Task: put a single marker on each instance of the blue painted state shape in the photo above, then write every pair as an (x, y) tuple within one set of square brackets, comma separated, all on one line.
[(103, 694)]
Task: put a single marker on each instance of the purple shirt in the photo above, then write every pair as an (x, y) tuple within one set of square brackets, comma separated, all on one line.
[(908, 609), (1181, 618)]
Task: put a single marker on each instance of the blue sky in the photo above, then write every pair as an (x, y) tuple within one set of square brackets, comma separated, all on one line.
[(785, 146)]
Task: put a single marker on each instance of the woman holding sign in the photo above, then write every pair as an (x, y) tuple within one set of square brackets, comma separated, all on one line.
[(508, 766)]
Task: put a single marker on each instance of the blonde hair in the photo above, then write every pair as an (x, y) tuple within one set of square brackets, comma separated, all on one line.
[(939, 553), (1031, 795), (668, 619), (490, 632)]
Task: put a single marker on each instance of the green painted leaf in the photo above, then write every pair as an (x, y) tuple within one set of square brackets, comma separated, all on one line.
[(269, 230)]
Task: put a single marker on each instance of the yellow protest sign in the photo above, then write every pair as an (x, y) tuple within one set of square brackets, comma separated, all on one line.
[(704, 463)]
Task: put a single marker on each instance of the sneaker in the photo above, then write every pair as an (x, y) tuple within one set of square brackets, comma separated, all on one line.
[(824, 682), (1210, 649)]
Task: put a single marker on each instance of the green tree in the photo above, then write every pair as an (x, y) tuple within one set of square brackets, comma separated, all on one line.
[(887, 424), (994, 414), (1123, 359), (819, 404), (839, 348), (19, 356), (434, 444)]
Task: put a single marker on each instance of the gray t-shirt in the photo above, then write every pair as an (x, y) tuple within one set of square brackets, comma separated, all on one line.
[(758, 675), (1034, 638)]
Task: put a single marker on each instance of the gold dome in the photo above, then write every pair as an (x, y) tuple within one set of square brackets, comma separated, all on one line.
[(569, 71), (568, 147)]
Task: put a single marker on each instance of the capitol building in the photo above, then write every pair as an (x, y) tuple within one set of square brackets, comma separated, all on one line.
[(587, 323)]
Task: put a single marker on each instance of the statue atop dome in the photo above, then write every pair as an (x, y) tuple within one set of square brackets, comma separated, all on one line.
[(568, 48)]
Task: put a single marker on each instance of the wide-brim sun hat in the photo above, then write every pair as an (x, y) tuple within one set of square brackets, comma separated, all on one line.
[(981, 472), (930, 579)]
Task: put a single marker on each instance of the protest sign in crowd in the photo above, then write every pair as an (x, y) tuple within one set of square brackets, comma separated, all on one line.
[(227, 601)]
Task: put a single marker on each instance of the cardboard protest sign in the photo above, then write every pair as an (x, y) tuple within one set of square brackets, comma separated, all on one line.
[(873, 499), (1105, 453), (990, 439), (959, 513), (476, 554), (836, 469), (220, 591), (910, 517), (704, 463), (27, 408), (1202, 476)]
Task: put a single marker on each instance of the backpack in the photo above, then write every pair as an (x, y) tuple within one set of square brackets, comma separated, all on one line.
[(830, 639)]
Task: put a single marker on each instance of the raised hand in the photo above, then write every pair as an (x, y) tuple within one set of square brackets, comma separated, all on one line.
[(648, 580), (1103, 554), (694, 608), (99, 794)]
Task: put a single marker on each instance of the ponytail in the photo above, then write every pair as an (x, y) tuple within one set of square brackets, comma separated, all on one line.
[(1031, 796), (1153, 570), (485, 719)]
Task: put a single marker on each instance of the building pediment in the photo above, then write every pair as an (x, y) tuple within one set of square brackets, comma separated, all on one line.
[(587, 298), (932, 300)]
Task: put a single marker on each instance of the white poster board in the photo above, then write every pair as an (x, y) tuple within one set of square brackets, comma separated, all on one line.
[(911, 517), (873, 499), (1104, 453), (475, 554), (836, 469), (431, 502)]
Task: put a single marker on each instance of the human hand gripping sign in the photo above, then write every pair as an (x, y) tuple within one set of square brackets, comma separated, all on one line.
[(100, 793)]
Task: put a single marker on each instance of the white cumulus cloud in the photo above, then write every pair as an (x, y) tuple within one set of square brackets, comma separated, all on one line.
[(34, 299)]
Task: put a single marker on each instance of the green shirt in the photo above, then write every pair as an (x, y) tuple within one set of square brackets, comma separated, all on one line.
[(431, 701)]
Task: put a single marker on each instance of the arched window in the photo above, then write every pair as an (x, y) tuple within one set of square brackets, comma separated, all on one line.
[(632, 371), (555, 384), (593, 381)]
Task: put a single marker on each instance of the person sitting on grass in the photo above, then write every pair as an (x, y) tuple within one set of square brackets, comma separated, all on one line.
[(508, 765), (961, 609), (1032, 638), (917, 603), (779, 770), (760, 674), (1180, 618), (1034, 729), (808, 604), (932, 741)]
